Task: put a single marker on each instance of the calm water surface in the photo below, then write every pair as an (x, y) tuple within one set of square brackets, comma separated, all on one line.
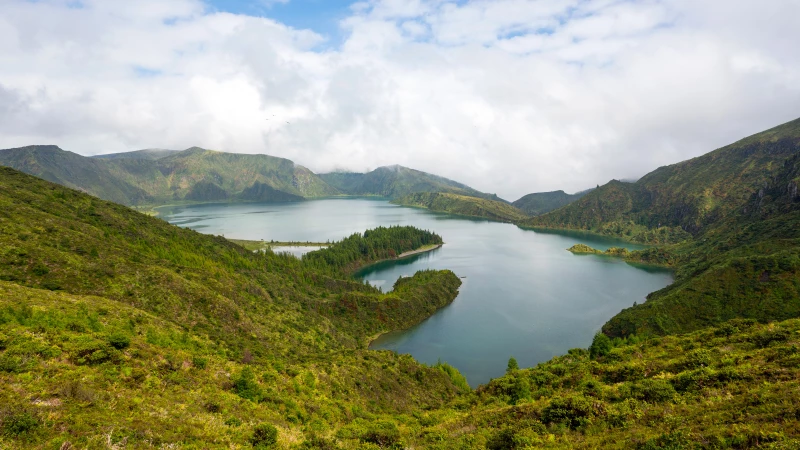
[(523, 294)]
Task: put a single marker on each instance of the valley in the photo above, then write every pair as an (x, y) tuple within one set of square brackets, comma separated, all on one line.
[(120, 329)]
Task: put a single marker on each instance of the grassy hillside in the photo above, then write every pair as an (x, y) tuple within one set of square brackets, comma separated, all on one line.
[(89, 175), (120, 330), (84, 276), (398, 181), (155, 177), (543, 202), (730, 387), (462, 205)]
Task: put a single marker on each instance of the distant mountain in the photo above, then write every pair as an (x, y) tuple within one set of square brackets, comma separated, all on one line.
[(148, 153), (543, 202), (160, 176), (462, 205), (397, 181)]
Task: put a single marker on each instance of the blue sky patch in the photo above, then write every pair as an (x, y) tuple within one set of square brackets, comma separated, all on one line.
[(321, 16)]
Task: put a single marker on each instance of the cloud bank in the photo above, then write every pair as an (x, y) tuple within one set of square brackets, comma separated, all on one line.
[(508, 96)]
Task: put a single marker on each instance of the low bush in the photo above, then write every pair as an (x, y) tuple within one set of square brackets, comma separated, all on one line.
[(264, 436)]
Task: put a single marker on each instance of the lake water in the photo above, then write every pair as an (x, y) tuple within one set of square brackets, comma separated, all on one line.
[(523, 294)]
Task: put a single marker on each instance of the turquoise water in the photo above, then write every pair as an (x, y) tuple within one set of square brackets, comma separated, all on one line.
[(523, 294)]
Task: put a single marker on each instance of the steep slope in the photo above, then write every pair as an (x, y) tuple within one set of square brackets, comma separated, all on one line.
[(397, 181), (148, 153), (235, 172), (462, 205), (734, 215), (92, 176), (152, 177), (108, 315), (539, 203), (691, 195), (262, 192)]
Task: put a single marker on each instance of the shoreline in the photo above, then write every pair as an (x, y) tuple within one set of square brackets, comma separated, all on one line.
[(403, 255), (262, 245)]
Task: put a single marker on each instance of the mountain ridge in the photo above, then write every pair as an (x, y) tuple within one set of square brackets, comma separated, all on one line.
[(396, 181)]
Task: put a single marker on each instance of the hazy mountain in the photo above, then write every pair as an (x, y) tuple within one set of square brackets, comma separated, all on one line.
[(159, 176), (539, 203), (397, 181), (148, 153)]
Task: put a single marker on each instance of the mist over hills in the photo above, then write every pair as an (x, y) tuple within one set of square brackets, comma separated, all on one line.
[(148, 153)]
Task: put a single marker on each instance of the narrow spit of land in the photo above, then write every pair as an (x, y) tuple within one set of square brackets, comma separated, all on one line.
[(263, 245)]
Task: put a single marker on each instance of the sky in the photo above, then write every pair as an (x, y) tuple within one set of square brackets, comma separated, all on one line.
[(507, 96)]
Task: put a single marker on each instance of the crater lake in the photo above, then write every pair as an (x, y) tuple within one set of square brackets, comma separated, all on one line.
[(523, 293)]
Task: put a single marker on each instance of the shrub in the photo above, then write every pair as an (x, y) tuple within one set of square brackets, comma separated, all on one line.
[(199, 362), (15, 363), (119, 341), (601, 346), (669, 441), (17, 423), (459, 380), (765, 338), (246, 387), (264, 436), (382, 433), (233, 422), (512, 365), (319, 443), (652, 391), (520, 390), (574, 412)]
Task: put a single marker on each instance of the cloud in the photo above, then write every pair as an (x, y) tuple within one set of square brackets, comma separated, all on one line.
[(509, 96)]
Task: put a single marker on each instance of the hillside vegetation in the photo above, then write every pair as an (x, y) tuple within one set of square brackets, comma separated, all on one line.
[(462, 205), (728, 222), (149, 177), (398, 181), (197, 340), (687, 197), (539, 203), (120, 330)]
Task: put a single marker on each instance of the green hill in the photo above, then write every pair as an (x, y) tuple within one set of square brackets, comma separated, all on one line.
[(462, 205), (120, 330), (733, 218), (543, 202), (688, 196), (134, 314), (398, 181), (157, 177)]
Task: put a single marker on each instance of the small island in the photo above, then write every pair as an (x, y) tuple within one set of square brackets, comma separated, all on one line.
[(582, 249)]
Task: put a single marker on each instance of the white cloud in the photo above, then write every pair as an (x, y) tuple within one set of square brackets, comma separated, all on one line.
[(509, 96)]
